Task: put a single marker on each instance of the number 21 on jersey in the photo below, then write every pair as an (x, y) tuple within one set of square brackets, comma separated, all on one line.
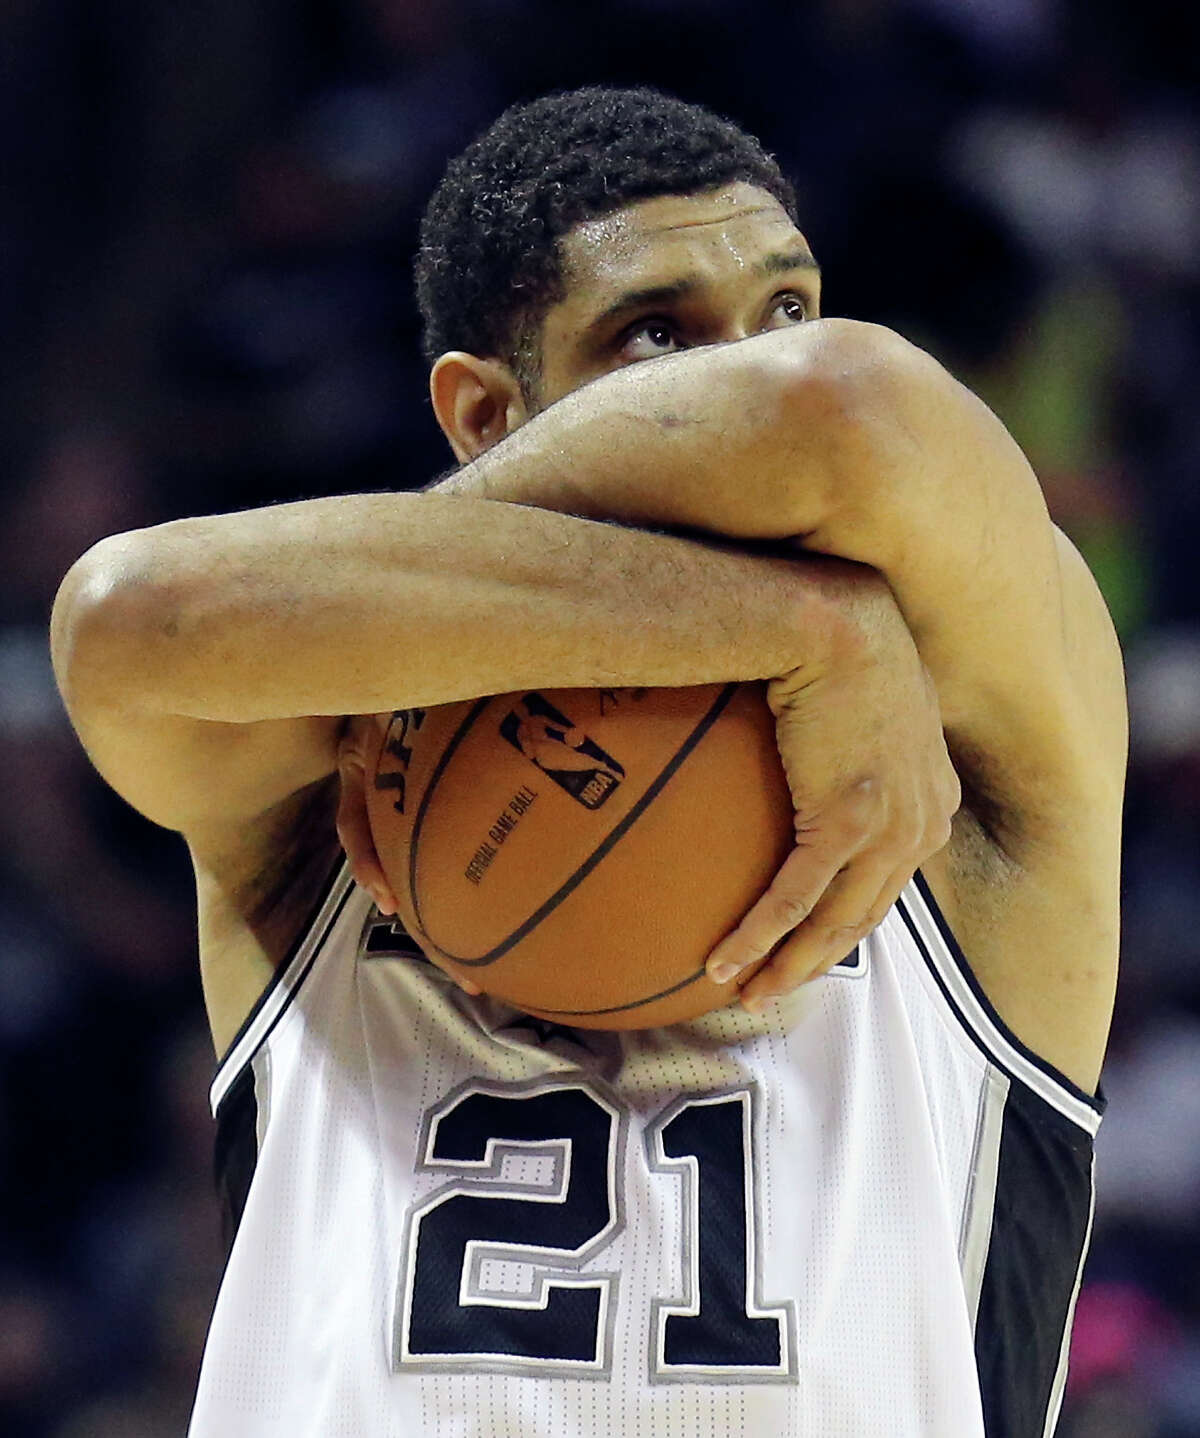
[(494, 1263)]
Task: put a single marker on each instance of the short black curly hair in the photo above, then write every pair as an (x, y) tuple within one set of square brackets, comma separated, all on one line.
[(488, 265)]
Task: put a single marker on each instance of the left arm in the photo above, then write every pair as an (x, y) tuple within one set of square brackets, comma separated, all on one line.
[(845, 439)]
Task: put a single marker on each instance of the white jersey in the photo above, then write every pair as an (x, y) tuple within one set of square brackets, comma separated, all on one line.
[(861, 1215)]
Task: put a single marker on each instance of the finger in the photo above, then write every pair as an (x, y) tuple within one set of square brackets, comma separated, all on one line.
[(829, 933), (828, 937), (791, 897), (823, 848), (354, 831), (468, 986)]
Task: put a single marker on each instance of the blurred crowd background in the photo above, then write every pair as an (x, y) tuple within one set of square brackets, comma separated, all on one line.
[(205, 297)]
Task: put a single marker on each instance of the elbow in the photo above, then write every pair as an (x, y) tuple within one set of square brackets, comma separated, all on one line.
[(841, 372), (850, 396), (106, 616), (823, 422)]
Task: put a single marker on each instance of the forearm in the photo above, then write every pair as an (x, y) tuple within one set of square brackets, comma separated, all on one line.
[(366, 603), (843, 439), (838, 435), (707, 439)]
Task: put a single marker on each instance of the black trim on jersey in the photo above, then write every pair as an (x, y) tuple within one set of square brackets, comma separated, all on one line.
[(235, 1147), (235, 1152), (289, 958), (1040, 1228), (1097, 1101), (854, 963), (387, 938)]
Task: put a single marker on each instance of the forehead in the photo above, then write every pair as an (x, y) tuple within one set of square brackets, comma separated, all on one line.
[(707, 235)]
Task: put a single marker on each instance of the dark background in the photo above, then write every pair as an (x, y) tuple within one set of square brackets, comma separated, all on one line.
[(205, 245)]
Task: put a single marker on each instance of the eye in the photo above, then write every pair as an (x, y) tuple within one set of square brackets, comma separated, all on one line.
[(648, 338), (788, 309)]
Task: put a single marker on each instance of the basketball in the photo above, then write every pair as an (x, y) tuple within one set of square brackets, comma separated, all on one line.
[(579, 852)]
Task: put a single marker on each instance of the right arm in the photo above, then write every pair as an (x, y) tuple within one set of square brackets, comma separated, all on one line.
[(206, 663)]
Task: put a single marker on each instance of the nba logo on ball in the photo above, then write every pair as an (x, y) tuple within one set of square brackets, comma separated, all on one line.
[(562, 751)]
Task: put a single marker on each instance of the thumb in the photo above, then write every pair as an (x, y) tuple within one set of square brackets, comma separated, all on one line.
[(354, 829)]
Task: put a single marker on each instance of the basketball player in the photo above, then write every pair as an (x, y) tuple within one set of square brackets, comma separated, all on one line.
[(861, 1210)]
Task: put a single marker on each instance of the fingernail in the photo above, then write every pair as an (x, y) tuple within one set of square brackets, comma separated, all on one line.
[(755, 1004), (722, 973)]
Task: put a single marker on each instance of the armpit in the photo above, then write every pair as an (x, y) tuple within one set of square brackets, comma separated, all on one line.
[(300, 847)]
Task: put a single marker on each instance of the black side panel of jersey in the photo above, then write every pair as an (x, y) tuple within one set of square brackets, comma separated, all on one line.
[(1040, 1229), (236, 1151)]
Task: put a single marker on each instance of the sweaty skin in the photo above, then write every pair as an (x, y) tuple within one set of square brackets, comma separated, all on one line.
[(755, 421), (751, 421)]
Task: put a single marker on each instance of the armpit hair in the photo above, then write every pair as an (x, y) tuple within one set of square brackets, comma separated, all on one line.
[(304, 848), (988, 835)]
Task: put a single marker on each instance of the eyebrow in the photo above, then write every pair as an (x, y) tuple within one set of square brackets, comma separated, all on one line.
[(776, 263)]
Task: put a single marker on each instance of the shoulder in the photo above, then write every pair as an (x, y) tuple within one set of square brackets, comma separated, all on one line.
[(1028, 671)]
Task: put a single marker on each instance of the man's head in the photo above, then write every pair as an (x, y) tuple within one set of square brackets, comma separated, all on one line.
[(567, 198)]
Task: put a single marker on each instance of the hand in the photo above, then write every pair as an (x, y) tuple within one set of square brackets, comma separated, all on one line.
[(358, 748), (874, 793)]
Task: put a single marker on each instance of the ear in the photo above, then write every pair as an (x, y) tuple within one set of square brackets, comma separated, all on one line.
[(477, 402)]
